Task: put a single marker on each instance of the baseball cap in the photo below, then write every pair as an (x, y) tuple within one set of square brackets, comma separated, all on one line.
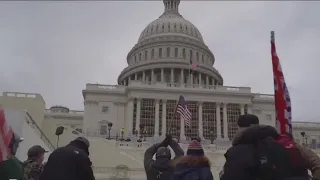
[(35, 151)]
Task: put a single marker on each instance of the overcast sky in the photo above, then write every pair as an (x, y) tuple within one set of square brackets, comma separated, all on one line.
[(55, 48)]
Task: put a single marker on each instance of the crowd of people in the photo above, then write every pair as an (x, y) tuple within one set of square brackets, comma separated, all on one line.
[(258, 152)]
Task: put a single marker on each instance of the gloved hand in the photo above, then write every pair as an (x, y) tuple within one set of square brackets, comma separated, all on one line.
[(166, 142), (168, 138)]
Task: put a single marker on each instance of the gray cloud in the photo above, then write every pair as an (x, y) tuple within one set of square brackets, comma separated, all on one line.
[(55, 48)]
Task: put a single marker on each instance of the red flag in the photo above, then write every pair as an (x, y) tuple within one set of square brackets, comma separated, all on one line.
[(281, 94), (6, 135)]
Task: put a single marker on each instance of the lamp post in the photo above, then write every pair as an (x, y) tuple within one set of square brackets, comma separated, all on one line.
[(211, 136), (109, 128)]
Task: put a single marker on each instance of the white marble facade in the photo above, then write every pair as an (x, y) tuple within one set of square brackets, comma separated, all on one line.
[(158, 72)]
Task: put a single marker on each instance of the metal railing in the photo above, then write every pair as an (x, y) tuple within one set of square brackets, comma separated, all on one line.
[(34, 125)]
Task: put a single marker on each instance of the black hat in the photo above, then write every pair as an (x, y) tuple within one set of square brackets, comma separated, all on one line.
[(247, 120), (83, 140), (35, 151)]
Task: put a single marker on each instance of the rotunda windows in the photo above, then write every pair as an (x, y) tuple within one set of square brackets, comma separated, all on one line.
[(168, 51), (160, 52), (152, 54), (176, 52)]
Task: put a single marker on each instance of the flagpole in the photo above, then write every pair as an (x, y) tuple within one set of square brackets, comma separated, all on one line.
[(172, 118)]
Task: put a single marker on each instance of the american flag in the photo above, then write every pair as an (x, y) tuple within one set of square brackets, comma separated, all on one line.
[(281, 94), (6, 135), (183, 110), (193, 67)]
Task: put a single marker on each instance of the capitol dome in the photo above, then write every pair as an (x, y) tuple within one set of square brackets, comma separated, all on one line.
[(171, 22), (165, 51)]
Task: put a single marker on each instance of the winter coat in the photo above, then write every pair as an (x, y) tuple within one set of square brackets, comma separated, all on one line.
[(68, 163), (311, 158), (241, 164), (32, 169), (12, 169), (193, 171), (160, 168)]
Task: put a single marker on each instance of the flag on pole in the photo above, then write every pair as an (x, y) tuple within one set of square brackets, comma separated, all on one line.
[(193, 67), (6, 135), (281, 94), (183, 110)]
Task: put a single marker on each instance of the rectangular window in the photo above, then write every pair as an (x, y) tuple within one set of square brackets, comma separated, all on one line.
[(160, 52), (105, 109)]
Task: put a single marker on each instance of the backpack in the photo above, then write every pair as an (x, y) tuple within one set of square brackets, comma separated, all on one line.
[(279, 159)]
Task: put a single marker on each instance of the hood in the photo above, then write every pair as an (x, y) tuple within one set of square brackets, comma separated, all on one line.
[(188, 164), (255, 133), (237, 137)]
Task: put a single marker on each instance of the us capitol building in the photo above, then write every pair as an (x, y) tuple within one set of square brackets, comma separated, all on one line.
[(158, 73), (147, 93)]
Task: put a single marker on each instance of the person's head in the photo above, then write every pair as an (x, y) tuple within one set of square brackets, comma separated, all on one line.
[(36, 153), (195, 156), (247, 120), (163, 152), (81, 143)]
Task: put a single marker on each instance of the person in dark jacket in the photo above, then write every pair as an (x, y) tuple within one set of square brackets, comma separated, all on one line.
[(195, 165), (241, 164), (161, 168), (33, 166), (70, 162)]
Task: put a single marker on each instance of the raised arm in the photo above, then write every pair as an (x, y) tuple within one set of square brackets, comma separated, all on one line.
[(176, 148), (148, 155)]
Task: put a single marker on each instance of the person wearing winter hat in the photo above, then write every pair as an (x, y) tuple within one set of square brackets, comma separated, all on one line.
[(70, 162), (195, 165)]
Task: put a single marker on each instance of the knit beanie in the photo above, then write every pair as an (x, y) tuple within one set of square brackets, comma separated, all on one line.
[(247, 120), (195, 149)]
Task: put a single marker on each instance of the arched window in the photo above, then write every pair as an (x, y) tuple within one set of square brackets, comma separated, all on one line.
[(168, 52), (202, 58), (152, 53), (160, 52), (175, 52), (139, 56), (146, 55), (197, 54), (184, 53), (135, 58), (191, 54)]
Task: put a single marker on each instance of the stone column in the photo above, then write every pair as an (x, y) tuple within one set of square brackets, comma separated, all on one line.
[(138, 114), (182, 77), (249, 109), (152, 75), (171, 76), (136, 76), (199, 78), (182, 130), (242, 109), (207, 80), (225, 122), (218, 118), (162, 76), (129, 117), (164, 117), (191, 79), (200, 120), (156, 128), (143, 76), (90, 125)]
